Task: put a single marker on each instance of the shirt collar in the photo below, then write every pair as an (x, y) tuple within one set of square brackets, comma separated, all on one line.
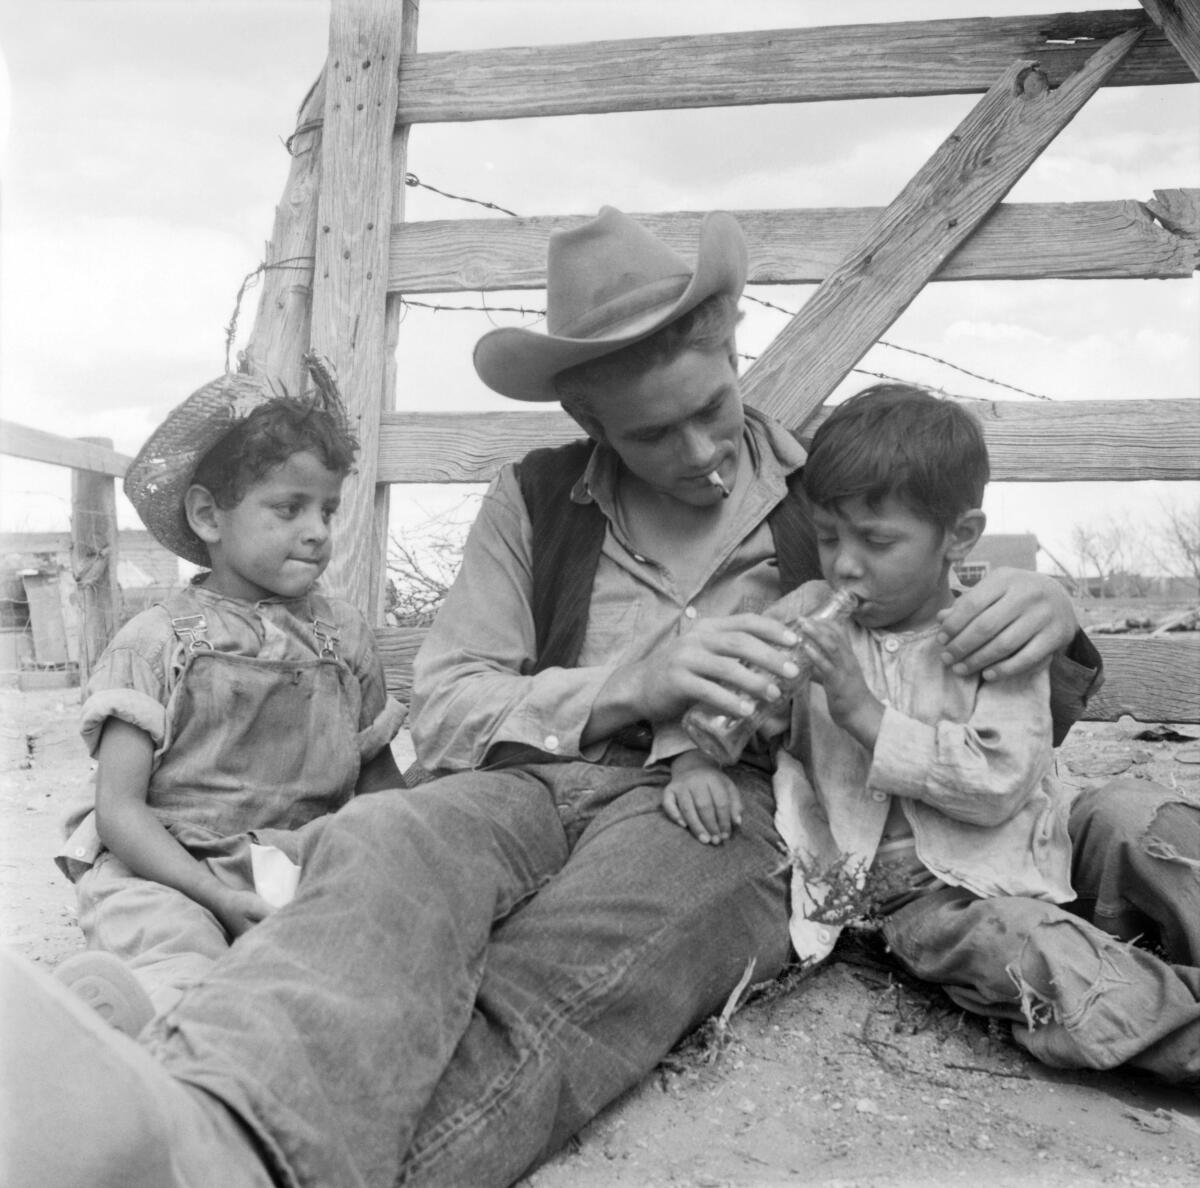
[(212, 596)]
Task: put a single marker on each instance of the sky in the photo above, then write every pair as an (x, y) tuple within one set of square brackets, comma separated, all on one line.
[(142, 156)]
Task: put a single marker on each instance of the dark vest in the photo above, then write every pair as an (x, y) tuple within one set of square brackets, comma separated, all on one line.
[(568, 536)]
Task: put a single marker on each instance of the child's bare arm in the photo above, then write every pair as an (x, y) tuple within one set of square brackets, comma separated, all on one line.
[(379, 773), (702, 798), (134, 834)]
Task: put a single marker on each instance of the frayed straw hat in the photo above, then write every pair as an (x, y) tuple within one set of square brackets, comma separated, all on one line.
[(161, 473), (609, 283)]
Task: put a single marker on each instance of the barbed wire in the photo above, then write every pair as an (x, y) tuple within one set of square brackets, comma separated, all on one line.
[(438, 308), (910, 351), (411, 179), (248, 281)]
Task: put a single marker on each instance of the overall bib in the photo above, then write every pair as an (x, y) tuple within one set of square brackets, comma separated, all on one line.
[(255, 751)]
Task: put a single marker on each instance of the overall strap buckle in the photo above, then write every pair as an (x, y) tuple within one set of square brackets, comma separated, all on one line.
[(192, 630), (327, 636)]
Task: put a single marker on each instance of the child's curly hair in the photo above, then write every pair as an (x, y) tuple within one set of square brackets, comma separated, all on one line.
[(268, 437)]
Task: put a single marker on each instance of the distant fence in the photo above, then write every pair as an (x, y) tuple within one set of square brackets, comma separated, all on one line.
[(95, 545)]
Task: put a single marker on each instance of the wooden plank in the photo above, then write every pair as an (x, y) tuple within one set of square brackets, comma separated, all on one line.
[(283, 324), (46, 618), (1028, 441), (1180, 21), (1155, 680), (95, 554), (25, 543), (935, 212), (1091, 441), (20, 441), (376, 591), (350, 279), (398, 647), (885, 60), (1017, 241)]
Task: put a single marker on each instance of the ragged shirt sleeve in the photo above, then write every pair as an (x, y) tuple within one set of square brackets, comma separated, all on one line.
[(980, 771), (130, 680), (472, 686)]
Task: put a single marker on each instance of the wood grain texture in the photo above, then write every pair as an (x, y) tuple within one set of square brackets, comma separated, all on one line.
[(350, 281), (283, 324), (19, 441), (942, 57), (935, 212), (1180, 21), (376, 578), (95, 555), (1155, 680), (1018, 241), (1028, 441)]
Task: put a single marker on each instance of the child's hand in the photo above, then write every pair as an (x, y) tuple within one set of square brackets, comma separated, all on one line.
[(239, 911), (702, 798), (852, 705)]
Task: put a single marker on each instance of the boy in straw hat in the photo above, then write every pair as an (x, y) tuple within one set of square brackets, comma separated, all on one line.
[(476, 966), (229, 717)]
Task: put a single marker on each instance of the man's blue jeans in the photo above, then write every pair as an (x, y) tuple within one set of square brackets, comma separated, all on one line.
[(473, 968)]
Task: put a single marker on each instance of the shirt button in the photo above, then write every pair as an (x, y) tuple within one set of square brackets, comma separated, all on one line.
[(690, 612), (824, 936), (891, 644), (550, 742), (80, 852), (639, 558), (879, 796)]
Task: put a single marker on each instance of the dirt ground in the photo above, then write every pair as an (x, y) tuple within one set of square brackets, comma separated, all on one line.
[(854, 1076)]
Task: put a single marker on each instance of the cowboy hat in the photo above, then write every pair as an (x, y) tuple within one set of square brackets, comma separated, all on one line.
[(609, 283)]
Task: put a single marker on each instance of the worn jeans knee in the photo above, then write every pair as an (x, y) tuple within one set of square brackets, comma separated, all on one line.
[(1076, 996), (1136, 866)]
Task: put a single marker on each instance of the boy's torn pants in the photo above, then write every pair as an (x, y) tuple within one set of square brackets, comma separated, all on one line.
[(1078, 993)]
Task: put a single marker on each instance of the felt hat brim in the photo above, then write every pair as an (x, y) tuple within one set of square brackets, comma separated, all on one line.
[(521, 363)]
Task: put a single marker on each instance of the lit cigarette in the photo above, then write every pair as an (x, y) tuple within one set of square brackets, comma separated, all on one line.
[(715, 479)]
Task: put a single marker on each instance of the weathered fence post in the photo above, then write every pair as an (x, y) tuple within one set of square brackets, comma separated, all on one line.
[(94, 559)]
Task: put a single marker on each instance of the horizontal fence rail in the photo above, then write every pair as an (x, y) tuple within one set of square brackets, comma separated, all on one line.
[(875, 61), (37, 445), (1154, 680), (1019, 241), (1062, 441)]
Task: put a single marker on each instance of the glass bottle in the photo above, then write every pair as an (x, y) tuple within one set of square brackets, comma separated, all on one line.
[(723, 737)]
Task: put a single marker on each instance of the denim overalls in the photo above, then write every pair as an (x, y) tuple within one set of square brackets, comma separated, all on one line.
[(254, 750)]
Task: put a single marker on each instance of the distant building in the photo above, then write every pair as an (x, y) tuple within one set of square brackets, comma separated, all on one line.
[(1013, 550), (39, 615)]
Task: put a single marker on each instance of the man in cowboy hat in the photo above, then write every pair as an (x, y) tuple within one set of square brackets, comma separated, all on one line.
[(473, 968)]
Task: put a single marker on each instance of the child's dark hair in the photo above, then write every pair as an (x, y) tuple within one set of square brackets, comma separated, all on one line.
[(899, 440), (267, 438)]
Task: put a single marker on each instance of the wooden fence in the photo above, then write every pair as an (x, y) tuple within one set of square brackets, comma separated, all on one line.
[(341, 251)]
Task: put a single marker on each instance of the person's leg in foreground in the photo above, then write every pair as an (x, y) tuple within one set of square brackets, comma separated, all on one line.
[(83, 1106), (642, 935), (328, 1029), (1077, 996)]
